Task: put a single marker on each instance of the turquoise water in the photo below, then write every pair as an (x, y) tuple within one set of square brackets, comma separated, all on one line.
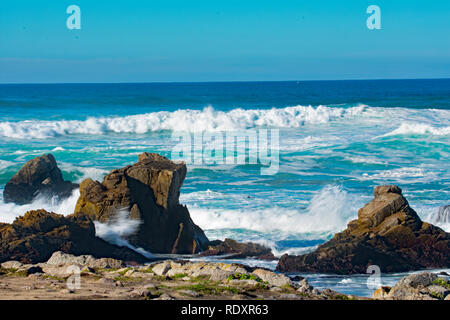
[(338, 139)]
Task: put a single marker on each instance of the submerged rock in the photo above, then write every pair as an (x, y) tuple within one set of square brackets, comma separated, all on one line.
[(35, 236), (39, 176), (233, 249), (388, 233), (150, 190)]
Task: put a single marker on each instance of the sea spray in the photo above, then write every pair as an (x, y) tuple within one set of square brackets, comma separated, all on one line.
[(328, 212), (10, 211), (117, 229)]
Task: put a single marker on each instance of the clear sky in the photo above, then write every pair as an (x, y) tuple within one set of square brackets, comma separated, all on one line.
[(222, 40)]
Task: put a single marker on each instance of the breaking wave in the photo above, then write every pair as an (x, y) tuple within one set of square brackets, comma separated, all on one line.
[(328, 211), (410, 128), (207, 119), (9, 211)]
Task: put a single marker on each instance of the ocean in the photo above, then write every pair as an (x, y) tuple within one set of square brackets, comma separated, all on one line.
[(338, 140)]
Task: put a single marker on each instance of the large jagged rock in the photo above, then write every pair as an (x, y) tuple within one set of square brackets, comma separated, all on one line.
[(387, 233), (35, 236), (39, 176), (150, 190)]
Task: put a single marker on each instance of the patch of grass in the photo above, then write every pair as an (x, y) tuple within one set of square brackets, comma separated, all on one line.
[(243, 276), (7, 270), (159, 278), (442, 282), (101, 270), (148, 270), (122, 273), (47, 276), (200, 278), (20, 273), (127, 279), (178, 276), (341, 297), (287, 288), (436, 295), (209, 288)]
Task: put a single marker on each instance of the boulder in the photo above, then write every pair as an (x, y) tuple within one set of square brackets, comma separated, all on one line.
[(233, 249), (35, 236), (421, 286), (388, 233), (274, 279), (150, 191), (59, 258), (11, 265), (39, 176)]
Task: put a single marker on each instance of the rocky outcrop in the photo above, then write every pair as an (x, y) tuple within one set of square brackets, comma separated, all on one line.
[(38, 234), (422, 286), (388, 233), (233, 249), (149, 190), (39, 176)]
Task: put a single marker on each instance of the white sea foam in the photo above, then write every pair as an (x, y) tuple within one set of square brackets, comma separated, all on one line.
[(413, 128), (368, 160), (5, 164), (82, 173), (117, 229), (328, 211), (402, 175), (9, 211), (207, 119)]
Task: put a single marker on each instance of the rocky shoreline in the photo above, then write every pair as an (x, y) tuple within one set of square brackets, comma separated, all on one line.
[(107, 278), (40, 250)]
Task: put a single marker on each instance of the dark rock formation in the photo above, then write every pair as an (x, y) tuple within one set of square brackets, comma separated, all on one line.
[(387, 233), (39, 176), (150, 190), (234, 249), (35, 236)]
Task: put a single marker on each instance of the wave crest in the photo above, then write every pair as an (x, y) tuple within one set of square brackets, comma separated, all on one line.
[(207, 119)]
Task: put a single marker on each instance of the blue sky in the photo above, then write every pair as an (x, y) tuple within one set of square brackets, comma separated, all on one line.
[(226, 40)]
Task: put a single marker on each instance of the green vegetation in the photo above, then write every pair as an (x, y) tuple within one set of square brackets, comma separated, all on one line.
[(6, 271), (243, 276), (127, 279), (442, 282), (178, 276), (122, 273), (209, 288), (148, 270), (437, 295), (46, 276)]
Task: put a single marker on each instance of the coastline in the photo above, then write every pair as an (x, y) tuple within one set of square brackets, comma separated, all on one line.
[(218, 269)]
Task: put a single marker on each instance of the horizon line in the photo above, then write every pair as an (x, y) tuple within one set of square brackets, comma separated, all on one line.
[(218, 81)]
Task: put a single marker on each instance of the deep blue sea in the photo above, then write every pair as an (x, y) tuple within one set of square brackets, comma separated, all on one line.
[(338, 139)]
